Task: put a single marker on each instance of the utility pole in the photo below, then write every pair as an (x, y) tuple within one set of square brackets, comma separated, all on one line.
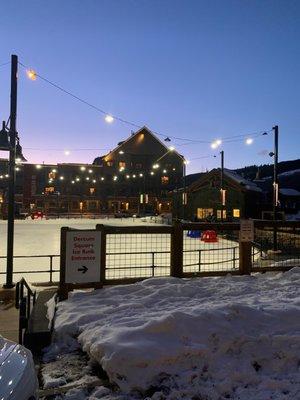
[(11, 171), (222, 194), (275, 185), (184, 195)]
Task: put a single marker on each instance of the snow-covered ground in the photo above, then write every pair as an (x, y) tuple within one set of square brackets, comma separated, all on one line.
[(233, 337), (42, 237)]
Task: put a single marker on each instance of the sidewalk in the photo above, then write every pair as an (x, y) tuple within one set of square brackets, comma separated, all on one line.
[(9, 321)]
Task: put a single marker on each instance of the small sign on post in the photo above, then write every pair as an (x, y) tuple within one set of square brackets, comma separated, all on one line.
[(80, 260), (247, 230), (82, 256), (245, 246)]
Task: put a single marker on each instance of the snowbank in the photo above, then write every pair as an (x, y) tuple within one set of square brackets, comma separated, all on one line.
[(233, 337)]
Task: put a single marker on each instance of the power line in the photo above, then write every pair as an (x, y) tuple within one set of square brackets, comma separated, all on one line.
[(125, 121), (6, 63), (64, 149)]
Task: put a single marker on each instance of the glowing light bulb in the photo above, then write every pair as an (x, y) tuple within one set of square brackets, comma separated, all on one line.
[(82, 168), (31, 74), (171, 148), (67, 152), (249, 141), (109, 119)]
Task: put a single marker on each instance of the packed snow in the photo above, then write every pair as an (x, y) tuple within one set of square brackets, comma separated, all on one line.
[(233, 337)]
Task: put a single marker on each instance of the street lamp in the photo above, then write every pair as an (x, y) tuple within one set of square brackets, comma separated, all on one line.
[(222, 190), (15, 152)]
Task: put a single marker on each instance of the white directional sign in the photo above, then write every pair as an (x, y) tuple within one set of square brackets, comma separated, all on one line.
[(82, 257), (246, 230)]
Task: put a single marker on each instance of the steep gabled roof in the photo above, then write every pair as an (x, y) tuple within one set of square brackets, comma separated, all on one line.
[(133, 137), (236, 179)]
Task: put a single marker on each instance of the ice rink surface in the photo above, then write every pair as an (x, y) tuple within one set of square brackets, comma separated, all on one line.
[(42, 237)]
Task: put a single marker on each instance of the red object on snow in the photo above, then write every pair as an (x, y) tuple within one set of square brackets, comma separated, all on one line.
[(209, 237), (37, 214)]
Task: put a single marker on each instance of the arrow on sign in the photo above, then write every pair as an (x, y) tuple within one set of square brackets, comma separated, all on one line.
[(83, 269)]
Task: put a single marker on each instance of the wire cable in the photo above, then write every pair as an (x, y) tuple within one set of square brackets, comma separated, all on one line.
[(125, 121)]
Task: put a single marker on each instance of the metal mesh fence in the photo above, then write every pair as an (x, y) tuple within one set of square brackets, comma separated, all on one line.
[(210, 251), (279, 246), (137, 255)]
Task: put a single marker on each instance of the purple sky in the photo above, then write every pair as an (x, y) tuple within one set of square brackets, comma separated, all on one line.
[(193, 69)]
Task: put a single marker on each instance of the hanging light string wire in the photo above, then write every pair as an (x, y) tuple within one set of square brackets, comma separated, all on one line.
[(133, 124)]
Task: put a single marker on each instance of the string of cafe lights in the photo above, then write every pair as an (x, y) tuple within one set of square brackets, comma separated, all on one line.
[(109, 118)]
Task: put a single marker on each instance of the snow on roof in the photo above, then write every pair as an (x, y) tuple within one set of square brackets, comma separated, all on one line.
[(289, 192), (249, 185), (292, 172)]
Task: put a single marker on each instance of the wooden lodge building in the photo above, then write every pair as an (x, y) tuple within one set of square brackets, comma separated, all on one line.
[(135, 177), (243, 198)]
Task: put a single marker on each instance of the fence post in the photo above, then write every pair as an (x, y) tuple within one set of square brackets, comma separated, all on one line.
[(101, 228), (245, 261), (51, 269), (177, 250)]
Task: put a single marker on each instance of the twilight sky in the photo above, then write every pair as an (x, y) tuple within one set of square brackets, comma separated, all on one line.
[(192, 69)]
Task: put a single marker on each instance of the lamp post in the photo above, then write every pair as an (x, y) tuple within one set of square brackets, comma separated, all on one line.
[(275, 184), (11, 171), (184, 194), (222, 190), (15, 150)]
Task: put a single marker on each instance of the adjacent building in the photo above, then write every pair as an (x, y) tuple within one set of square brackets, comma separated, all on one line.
[(241, 198)]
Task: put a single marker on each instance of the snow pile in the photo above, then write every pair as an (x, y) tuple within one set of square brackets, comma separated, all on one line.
[(208, 338)]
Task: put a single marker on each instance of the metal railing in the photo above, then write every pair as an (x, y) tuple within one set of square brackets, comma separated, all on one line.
[(51, 270), (234, 260), (24, 303)]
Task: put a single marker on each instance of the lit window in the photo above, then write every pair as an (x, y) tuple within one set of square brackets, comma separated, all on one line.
[(49, 189), (164, 180), (109, 163), (203, 213), (52, 175), (236, 213), (219, 214), (122, 164), (92, 190)]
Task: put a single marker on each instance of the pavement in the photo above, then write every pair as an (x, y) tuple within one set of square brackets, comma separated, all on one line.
[(9, 320)]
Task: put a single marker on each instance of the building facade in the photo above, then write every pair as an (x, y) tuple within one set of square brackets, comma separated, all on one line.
[(135, 177), (241, 198)]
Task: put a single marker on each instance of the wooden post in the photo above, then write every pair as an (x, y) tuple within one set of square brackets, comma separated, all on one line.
[(101, 228), (177, 251), (63, 290), (245, 259)]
